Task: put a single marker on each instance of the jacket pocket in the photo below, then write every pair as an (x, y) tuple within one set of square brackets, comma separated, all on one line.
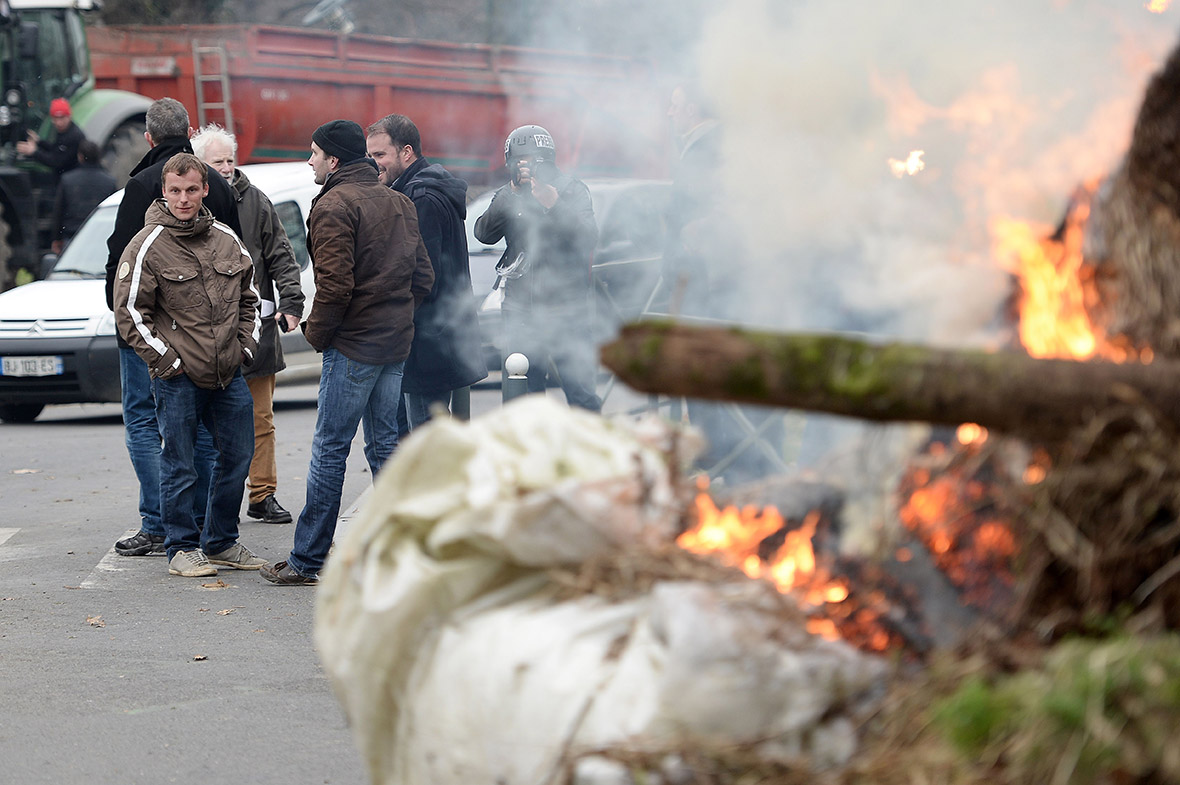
[(183, 288), (229, 278)]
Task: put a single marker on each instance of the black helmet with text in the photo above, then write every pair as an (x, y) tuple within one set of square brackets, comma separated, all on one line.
[(530, 141), (531, 148)]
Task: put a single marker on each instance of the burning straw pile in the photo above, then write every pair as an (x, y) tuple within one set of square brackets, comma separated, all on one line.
[(1093, 511), (1102, 531), (1103, 528), (509, 608)]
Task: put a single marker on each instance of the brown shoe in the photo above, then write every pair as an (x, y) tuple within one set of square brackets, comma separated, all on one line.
[(284, 575)]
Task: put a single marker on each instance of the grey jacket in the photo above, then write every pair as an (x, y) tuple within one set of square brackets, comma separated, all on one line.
[(274, 266)]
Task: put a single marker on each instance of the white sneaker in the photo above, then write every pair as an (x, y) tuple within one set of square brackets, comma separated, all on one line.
[(237, 556), (191, 564)]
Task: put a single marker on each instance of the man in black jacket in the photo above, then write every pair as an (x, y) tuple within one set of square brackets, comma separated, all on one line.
[(547, 218), (167, 132), (61, 154), (446, 351), (81, 190)]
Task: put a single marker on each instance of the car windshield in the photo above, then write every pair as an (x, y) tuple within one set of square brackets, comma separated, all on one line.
[(86, 255)]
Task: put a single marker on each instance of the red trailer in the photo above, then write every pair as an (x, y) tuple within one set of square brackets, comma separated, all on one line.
[(274, 85)]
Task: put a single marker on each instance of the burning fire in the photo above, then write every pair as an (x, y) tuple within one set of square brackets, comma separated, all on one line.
[(951, 508), (1056, 287), (1157, 6), (911, 165), (739, 537), (949, 503)]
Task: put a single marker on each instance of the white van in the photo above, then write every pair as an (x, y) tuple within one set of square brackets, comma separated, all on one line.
[(57, 338)]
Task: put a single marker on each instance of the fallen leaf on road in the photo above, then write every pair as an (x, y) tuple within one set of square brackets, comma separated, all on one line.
[(216, 585), (202, 610), (199, 657), (225, 612), (95, 621)]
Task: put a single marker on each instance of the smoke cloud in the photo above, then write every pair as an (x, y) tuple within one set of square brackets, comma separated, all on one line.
[(1014, 103)]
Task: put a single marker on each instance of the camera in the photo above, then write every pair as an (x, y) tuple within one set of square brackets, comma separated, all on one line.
[(545, 172)]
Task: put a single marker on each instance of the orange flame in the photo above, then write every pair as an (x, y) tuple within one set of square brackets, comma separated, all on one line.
[(1053, 317), (951, 510), (970, 433), (735, 536), (1157, 6), (1056, 286)]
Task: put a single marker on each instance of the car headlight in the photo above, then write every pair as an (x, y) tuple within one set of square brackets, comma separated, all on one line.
[(106, 325)]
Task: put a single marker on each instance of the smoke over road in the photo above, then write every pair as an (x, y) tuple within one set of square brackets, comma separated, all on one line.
[(1013, 104)]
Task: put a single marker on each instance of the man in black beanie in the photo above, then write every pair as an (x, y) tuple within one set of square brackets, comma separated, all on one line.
[(371, 273)]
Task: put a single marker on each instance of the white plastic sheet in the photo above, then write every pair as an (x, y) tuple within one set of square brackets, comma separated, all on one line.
[(457, 663)]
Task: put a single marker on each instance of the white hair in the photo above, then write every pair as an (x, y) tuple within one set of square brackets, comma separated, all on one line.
[(209, 134)]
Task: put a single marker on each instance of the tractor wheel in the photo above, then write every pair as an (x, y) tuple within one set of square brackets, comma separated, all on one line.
[(123, 150)]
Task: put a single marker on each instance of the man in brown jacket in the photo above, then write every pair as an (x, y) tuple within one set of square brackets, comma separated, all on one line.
[(371, 272), (185, 302)]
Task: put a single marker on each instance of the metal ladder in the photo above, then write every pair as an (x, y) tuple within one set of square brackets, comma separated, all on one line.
[(217, 55)]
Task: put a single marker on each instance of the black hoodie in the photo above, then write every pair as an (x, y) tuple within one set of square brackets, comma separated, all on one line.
[(445, 354), (146, 186)]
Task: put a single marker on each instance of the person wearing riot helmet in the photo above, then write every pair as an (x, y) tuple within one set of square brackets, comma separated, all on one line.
[(547, 219)]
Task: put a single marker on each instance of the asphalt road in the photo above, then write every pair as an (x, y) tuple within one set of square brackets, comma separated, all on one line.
[(112, 671)]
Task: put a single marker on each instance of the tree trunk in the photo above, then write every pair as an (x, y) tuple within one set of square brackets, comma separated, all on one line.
[(1006, 390)]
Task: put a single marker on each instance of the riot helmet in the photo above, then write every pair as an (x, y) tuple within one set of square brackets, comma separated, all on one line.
[(530, 140)]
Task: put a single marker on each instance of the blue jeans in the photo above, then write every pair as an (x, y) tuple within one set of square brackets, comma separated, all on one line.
[(228, 415), (142, 434), (349, 393), (418, 405)]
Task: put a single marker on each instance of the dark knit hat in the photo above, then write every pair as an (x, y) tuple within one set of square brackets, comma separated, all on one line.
[(341, 138)]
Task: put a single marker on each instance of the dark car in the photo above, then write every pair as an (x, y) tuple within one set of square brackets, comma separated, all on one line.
[(632, 229)]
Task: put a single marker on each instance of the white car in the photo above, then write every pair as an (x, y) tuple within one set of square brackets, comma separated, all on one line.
[(57, 338)]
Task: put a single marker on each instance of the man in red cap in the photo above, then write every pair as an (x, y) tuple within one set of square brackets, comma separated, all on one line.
[(61, 154)]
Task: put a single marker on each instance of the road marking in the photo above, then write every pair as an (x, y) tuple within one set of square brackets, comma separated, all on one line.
[(6, 533), (107, 565)]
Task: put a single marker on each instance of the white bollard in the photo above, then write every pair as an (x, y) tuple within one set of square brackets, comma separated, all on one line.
[(515, 382)]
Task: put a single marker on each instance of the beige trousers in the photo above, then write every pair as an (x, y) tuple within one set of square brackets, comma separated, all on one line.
[(263, 480)]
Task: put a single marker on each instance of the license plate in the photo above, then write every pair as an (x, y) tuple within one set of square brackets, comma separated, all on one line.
[(31, 366)]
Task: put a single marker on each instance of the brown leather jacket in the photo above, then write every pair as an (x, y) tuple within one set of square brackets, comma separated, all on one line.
[(185, 299), (371, 267)]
